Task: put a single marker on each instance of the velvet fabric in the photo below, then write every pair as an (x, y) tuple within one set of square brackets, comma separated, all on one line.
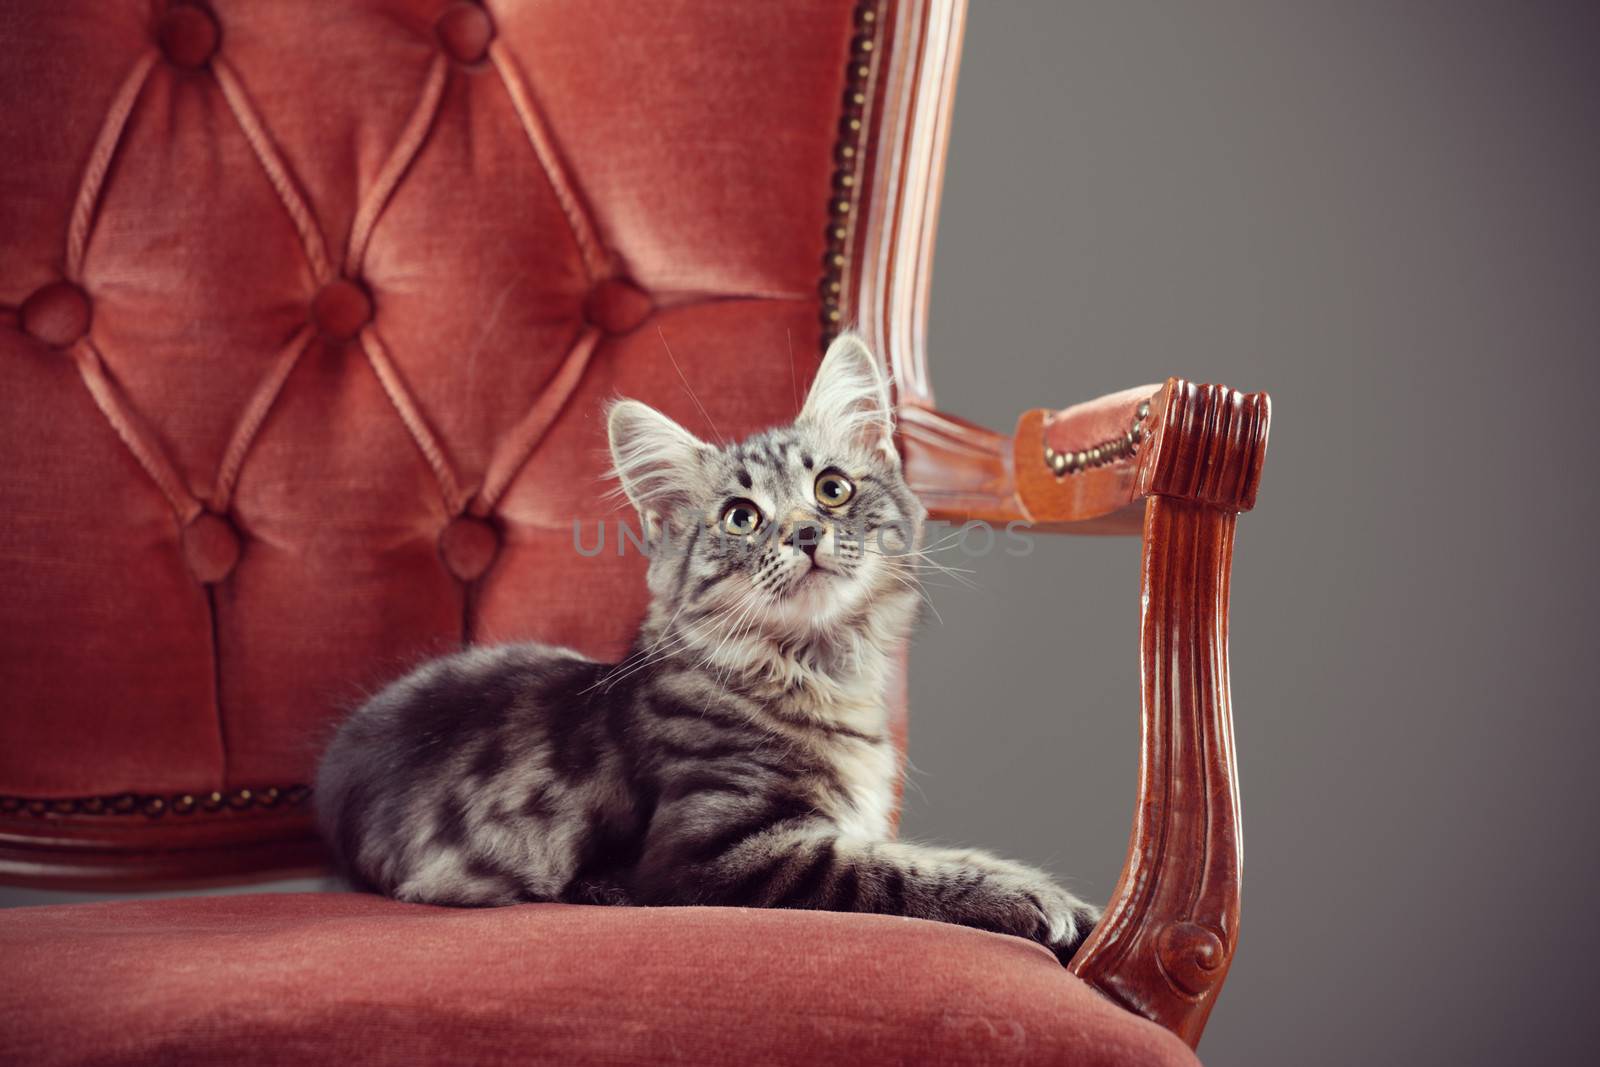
[(355, 980), (308, 311)]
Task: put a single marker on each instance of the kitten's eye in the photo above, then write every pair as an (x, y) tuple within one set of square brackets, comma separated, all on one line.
[(742, 517), (834, 488)]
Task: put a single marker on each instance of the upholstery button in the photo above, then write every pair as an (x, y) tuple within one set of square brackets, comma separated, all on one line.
[(616, 305), (210, 547), (188, 36), (467, 546), (340, 309), (465, 31), (57, 314)]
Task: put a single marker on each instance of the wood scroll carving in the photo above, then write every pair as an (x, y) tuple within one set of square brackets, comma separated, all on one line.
[(1168, 937), (1169, 933), (1165, 944)]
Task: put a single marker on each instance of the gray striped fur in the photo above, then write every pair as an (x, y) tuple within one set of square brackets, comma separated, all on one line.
[(739, 755)]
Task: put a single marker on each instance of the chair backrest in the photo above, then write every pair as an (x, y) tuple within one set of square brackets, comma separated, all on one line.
[(316, 305)]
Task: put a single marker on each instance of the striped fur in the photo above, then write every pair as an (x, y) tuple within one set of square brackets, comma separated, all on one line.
[(738, 756)]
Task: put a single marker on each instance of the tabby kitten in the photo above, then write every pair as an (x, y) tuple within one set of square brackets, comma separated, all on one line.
[(739, 755)]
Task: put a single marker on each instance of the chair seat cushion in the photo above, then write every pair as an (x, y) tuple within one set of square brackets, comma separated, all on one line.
[(357, 979)]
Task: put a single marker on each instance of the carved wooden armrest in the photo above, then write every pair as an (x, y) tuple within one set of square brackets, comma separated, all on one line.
[(1177, 462)]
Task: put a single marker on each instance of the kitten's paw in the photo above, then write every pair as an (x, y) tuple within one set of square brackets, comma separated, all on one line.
[(1028, 904), (1066, 920), (1084, 918)]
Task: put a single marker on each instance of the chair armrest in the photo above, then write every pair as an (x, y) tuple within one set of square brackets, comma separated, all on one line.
[(1089, 468), (1178, 463)]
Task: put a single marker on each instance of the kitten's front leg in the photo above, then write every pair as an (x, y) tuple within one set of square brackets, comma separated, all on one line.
[(801, 861)]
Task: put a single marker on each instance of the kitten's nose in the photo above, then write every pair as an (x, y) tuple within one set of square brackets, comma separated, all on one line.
[(805, 536)]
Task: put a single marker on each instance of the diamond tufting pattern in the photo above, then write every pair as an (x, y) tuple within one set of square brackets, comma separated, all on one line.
[(307, 312)]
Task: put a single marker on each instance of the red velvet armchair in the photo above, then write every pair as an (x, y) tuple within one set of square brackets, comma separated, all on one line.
[(309, 309)]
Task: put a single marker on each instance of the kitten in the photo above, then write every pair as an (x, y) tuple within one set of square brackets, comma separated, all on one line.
[(739, 755)]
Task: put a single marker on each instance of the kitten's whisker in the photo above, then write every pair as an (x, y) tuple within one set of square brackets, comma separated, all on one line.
[(957, 575), (910, 777), (920, 568), (916, 588), (754, 619), (656, 653), (679, 645), (712, 624), (920, 561), (627, 665), (923, 555), (750, 608), (949, 538), (720, 439), (917, 582), (794, 380)]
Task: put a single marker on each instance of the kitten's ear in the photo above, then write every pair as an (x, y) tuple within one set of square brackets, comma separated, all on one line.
[(851, 396), (658, 462)]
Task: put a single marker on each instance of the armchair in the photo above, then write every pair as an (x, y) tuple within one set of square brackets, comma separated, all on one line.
[(308, 311)]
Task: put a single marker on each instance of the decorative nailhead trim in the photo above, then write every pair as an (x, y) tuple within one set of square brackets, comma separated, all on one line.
[(1064, 463), (844, 190), (153, 806)]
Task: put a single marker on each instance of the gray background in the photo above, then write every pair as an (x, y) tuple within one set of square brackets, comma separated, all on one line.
[(1384, 214)]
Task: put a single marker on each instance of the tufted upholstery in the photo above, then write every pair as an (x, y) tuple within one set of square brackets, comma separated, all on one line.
[(309, 312)]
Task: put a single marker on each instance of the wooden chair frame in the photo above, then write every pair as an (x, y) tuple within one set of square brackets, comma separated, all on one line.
[(1178, 476)]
